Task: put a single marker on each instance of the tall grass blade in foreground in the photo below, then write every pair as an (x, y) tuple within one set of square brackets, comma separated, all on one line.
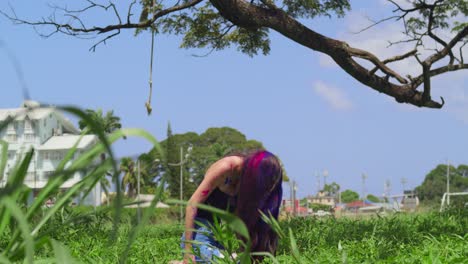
[(24, 222)]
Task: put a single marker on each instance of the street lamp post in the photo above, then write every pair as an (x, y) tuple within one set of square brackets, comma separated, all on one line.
[(318, 181), (294, 189), (448, 182), (181, 164), (403, 184), (364, 177), (325, 175), (181, 179), (138, 191)]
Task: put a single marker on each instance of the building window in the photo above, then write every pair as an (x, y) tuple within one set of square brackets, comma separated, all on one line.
[(46, 155), (29, 137), (55, 155), (46, 175), (27, 124), (11, 133), (30, 177), (12, 138)]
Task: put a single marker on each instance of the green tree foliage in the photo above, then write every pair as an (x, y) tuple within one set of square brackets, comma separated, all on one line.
[(149, 166), (435, 182), (373, 198), (129, 179), (207, 147), (348, 196), (332, 188), (285, 173), (107, 123), (171, 148)]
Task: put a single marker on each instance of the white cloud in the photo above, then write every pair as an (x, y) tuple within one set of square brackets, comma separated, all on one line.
[(333, 96)]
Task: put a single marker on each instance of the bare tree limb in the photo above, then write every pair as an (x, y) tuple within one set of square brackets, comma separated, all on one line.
[(244, 14), (70, 30), (129, 13), (443, 69), (395, 58), (379, 64), (254, 15), (432, 35), (441, 54)]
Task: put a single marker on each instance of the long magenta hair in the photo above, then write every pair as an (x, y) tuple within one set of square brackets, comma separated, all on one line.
[(260, 190)]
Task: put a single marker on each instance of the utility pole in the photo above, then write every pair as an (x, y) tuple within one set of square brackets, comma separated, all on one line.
[(181, 164), (138, 192), (387, 189), (181, 179), (364, 177), (403, 183), (325, 175), (294, 197), (317, 174), (291, 194), (448, 182)]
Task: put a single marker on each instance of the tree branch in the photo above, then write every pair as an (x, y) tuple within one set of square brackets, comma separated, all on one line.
[(432, 35), (395, 58), (244, 14), (441, 54), (265, 14), (431, 73), (379, 64), (73, 31)]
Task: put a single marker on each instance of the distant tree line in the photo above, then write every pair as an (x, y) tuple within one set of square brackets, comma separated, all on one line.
[(215, 143), (206, 148), (435, 183)]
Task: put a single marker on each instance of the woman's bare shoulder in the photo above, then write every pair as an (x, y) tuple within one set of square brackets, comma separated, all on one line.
[(225, 166), (232, 161)]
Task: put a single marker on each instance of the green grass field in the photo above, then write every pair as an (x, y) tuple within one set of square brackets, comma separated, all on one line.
[(419, 238), (33, 233)]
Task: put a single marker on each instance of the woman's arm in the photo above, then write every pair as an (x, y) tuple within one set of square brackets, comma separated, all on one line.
[(214, 176)]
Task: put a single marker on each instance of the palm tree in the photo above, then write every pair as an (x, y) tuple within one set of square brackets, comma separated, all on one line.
[(129, 180), (150, 169), (108, 123)]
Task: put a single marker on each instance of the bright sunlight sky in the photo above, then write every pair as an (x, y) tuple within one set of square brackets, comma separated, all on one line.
[(296, 101)]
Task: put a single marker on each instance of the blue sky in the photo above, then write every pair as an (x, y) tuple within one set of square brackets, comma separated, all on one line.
[(298, 103)]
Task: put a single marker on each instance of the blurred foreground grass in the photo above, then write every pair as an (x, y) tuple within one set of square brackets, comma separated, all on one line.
[(421, 238)]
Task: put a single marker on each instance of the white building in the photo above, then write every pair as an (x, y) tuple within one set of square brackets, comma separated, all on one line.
[(52, 135), (324, 198)]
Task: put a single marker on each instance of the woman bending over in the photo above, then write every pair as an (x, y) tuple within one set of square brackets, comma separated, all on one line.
[(243, 185)]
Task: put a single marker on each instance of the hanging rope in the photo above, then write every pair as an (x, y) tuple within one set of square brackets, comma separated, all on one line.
[(148, 103)]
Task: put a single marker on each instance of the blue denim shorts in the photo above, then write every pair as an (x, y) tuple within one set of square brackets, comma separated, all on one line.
[(205, 246)]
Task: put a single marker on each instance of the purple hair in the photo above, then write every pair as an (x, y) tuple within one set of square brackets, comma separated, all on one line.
[(260, 190)]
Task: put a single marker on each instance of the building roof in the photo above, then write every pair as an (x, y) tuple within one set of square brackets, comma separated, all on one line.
[(359, 203), (21, 113), (67, 142), (299, 209), (34, 111)]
